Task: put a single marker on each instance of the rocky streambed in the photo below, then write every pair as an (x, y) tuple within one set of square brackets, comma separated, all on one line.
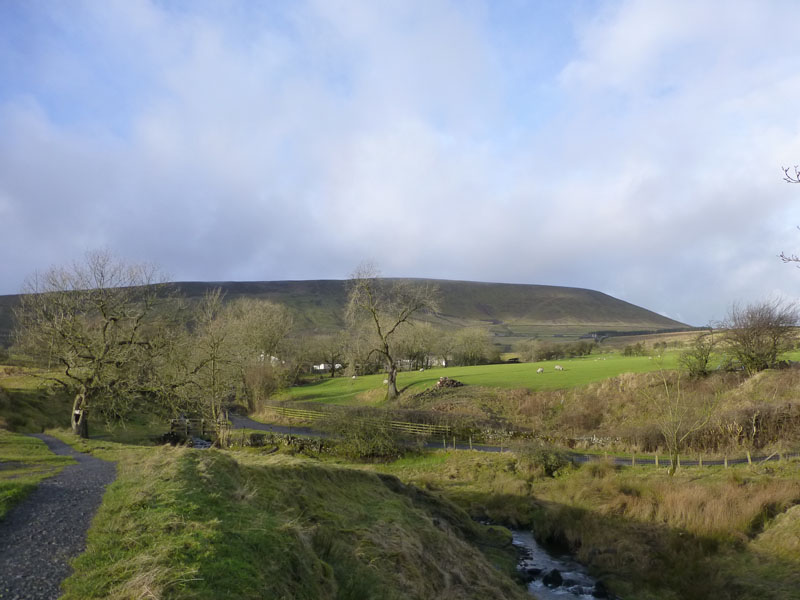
[(552, 577)]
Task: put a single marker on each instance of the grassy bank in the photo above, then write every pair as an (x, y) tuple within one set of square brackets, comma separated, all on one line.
[(24, 462), (28, 403), (181, 523)]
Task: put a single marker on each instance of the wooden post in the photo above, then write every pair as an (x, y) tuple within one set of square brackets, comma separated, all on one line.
[(700, 459), (749, 459), (726, 461), (470, 442), (454, 442), (656, 460), (444, 442), (633, 460)]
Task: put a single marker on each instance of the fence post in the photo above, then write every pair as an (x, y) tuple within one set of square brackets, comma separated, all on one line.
[(454, 442), (633, 460), (444, 442), (700, 459), (470, 442), (656, 460), (726, 461)]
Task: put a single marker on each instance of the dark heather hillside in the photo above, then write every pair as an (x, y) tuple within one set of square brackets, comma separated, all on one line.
[(509, 310)]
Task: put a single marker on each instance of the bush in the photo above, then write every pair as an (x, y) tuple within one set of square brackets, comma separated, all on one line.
[(363, 438), (540, 459)]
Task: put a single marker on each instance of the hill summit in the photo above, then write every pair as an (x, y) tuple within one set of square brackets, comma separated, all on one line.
[(508, 310)]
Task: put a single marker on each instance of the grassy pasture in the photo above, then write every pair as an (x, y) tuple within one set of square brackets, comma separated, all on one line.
[(368, 390)]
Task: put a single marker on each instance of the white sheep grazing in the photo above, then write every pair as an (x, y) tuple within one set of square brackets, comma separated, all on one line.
[(558, 368), (385, 381), (540, 370)]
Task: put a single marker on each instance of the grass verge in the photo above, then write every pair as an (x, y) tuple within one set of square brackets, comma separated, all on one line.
[(24, 462)]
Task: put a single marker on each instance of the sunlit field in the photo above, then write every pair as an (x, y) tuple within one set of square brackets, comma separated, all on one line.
[(577, 371)]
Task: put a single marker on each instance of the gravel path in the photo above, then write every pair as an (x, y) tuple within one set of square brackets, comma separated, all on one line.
[(40, 536)]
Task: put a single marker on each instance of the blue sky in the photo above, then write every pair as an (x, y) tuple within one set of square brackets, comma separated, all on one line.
[(633, 147)]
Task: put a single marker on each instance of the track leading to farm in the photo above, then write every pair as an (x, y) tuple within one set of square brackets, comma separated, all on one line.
[(48, 529)]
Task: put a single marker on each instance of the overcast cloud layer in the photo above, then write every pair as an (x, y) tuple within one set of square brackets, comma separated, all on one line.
[(632, 147)]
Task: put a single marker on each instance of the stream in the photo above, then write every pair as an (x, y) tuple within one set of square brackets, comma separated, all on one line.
[(554, 577)]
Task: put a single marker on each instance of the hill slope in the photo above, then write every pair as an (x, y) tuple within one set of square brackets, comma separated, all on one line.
[(509, 310), (515, 310)]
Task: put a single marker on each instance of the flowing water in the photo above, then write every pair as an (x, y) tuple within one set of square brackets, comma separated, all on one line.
[(539, 564)]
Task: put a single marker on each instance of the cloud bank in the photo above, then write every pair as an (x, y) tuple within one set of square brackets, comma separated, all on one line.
[(630, 147)]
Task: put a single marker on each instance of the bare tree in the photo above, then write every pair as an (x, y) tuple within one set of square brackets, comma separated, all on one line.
[(790, 177), (757, 333), (235, 350), (696, 358), (473, 346), (416, 344), (103, 323), (331, 350), (679, 415), (387, 305)]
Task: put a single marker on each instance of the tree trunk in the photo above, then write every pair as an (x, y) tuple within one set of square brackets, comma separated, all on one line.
[(673, 462), (80, 420), (391, 389)]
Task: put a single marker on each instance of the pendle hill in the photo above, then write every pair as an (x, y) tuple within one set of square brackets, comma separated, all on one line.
[(511, 312)]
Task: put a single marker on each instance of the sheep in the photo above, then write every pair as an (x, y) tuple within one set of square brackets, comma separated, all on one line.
[(540, 370), (558, 368)]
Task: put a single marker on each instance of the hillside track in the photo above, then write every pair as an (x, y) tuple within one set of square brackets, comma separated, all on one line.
[(48, 529), (242, 422)]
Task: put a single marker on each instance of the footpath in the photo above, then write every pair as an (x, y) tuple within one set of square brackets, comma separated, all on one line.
[(48, 529)]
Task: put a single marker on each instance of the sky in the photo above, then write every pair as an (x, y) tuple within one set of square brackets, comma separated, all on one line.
[(633, 147)]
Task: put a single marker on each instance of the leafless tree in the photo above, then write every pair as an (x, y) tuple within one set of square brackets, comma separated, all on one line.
[(790, 177), (103, 322), (473, 346), (236, 348), (387, 305), (696, 358), (330, 349), (677, 414), (757, 333)]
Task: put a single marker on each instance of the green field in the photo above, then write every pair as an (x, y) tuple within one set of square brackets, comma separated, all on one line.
[(577, 372)]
